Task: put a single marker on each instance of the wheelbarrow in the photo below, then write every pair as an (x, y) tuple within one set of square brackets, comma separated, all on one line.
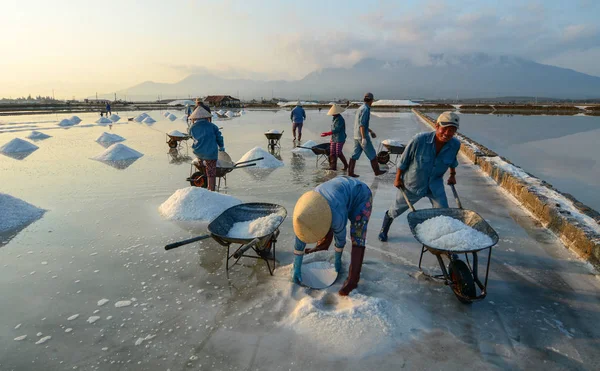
[(384, 156), (461, 276), (263, 246), (198, 178), (174, 141), (322, 152), (273, 140)]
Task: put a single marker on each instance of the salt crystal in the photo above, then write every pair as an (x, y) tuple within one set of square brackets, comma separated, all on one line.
[(19, 338), (255, 228), (18, 326), (68, 330), (93, 319), (43, 340), (73, 317), (101, 302), (122, 303), (451, 234)]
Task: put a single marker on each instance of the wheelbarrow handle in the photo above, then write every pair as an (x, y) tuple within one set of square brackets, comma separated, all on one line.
[(185, 242), (412, 208), (456, 196), (244, 165), (238, 254), (245, 162)]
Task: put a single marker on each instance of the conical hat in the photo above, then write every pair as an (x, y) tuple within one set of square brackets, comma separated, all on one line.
[(200, 113), (312, 217), (335, 110)]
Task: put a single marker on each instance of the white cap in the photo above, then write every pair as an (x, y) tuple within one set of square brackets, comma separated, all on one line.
[(449, 118)]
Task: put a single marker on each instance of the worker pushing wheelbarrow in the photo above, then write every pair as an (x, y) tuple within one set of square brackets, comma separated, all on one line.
[(224, 165)]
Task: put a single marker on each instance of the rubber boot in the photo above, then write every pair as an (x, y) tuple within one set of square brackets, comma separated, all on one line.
[(376, 169), (332, 162), (351, 166), (211, 183), (356, 260), (323, 244), (385, 227)]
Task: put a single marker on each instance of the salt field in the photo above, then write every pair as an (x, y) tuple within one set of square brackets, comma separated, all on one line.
[(88, 285)]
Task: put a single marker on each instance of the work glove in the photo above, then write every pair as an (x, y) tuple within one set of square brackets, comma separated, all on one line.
[(297, 271), (363, 142), (326, 134), (222, 149), (338, 261)]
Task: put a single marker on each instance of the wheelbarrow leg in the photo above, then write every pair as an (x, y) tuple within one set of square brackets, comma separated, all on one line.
[(423, 249), (227, 263)]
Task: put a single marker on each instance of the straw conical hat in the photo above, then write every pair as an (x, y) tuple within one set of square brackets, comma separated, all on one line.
[(335, 110), (312, 217), (200, 113)]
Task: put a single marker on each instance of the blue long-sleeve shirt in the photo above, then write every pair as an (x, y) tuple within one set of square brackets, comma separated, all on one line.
[(298, 115), (207, 139), (338, 129), (362, 118), (346, 197), (422, 169)]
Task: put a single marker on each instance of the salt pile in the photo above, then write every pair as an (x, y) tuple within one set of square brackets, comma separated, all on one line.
[(304, 151), (66, 122), (273, 132), (269, 161), (141, 117), (118, 152), (38, 135), (75, 120), (255, 228), (114, 117), (195, 203), (176, 133), (172, 117), (242, 113), (451, 234), (166, 114), (109, 138), (17, 213), (103, 121), (229, 114), (18, 145), (392, 142), (221, 112), (149, 120)]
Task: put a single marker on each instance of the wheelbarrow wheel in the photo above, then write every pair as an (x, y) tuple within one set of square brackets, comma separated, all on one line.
[(198, 179), (172, 143), (463, 284), (383, 157)]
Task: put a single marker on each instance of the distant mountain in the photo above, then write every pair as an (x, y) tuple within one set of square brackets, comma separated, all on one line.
[(442, 77)]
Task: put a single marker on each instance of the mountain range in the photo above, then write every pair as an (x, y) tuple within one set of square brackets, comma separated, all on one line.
[(442, 77)]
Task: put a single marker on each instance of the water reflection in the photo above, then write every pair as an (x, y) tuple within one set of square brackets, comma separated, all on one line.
[(176, 157), (297, 166), (120, 164)]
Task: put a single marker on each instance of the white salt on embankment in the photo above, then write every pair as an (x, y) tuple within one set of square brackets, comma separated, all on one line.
[(268, 162), (18, 145), (195, 203), (16, 213), (255, 228), (305, 151), (118, 152), (109, 138), (38, 135), (451, 234)]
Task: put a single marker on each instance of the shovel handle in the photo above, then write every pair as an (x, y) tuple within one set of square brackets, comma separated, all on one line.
[(412, 208), (185, 242), (246, 165), (245, 162), (238, 254), (456, 196)]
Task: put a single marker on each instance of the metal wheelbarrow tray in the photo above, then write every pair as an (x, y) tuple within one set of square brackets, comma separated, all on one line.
[(263, 246), (321, 150), (461, 276), (199, 179), (273, 140), (384, 156)]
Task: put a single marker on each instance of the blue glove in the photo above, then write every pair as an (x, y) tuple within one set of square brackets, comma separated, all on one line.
[(297, 271), (338, 261), (222, 149)]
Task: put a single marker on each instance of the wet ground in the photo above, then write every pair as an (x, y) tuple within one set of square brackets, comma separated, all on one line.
[(102, 238)]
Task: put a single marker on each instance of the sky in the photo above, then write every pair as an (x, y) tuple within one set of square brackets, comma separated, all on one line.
[(78, 48)]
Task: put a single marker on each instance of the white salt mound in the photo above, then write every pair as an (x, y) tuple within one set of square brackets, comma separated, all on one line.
[(305, 151), (229, 114), (195, 203), (255, 228), (16, 213), (114, 117), (140, 118), (176, 133), (166, 114), (149, 120), (451, 234), (66, 122), (172, 117), (273, 132), (269, 161), (391, 142), (109, 138), (38, 135), (18, 145), (122, 303), (75, 119), (103, 120), (221, 112), (118, 152)]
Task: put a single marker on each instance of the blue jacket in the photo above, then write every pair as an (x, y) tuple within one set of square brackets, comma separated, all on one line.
[(362, 118), (422, 170), (338, 128), (346, 197), (298, 115), (207, 139)]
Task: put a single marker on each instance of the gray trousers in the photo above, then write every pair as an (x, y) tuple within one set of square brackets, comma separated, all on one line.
[(399, 205)]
